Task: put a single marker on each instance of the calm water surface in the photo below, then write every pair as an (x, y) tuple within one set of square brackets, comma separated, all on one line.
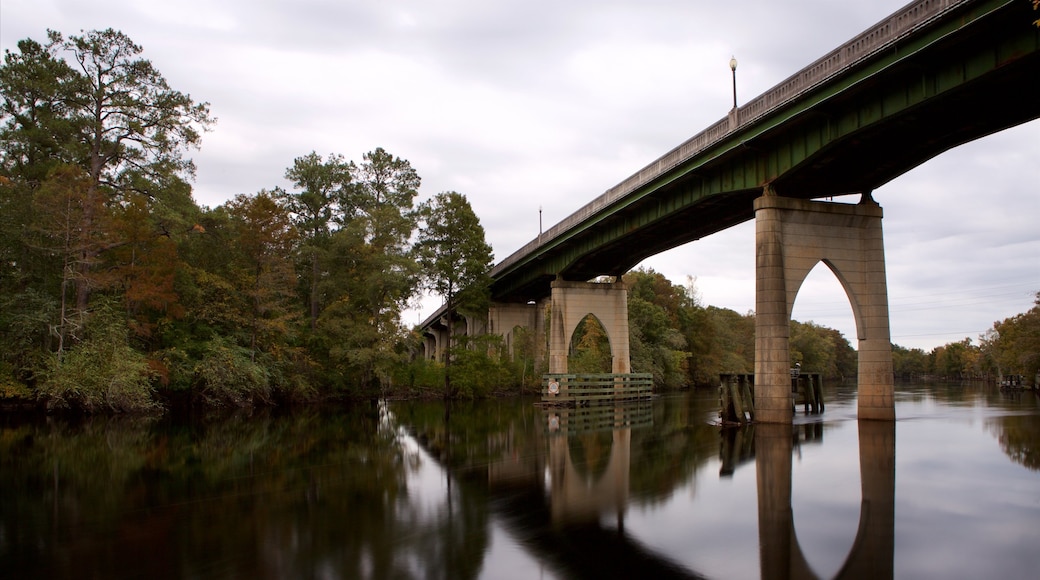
[(506, 489)]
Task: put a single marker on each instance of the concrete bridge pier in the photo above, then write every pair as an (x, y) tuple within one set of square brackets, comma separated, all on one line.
[(572, 302), (791, 237), (437, 338), (505, 317), (435, 342)]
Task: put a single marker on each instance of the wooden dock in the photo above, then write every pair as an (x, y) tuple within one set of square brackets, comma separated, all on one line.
[(581, 389)]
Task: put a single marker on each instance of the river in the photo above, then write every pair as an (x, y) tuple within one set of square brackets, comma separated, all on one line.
[(507, 489)]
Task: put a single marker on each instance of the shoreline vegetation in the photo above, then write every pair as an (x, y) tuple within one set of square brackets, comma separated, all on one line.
[(119, 293)]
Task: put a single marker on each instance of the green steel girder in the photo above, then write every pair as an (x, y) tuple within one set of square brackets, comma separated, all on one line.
[(970, 75)]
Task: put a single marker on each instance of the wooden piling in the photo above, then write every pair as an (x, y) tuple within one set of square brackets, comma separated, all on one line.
[(737, 395)]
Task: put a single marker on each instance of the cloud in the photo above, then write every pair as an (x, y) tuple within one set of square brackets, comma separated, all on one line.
[(543, 105)]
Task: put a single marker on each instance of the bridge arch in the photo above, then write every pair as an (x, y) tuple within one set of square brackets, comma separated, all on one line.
[(836, 271), (580, 351), (571, 302), (792, 236)]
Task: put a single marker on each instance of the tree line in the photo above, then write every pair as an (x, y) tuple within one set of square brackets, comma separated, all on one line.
[(118, 292), (1010, 347)]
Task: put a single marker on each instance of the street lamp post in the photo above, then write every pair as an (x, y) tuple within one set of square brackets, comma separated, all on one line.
[(733, 67)]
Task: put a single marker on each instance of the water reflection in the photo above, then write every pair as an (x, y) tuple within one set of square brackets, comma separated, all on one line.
[(590, 460), (300, 495), (550, 483), (871, 555), (507, 489)]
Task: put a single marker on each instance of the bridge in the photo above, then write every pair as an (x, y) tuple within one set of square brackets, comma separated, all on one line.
[(932, 76)]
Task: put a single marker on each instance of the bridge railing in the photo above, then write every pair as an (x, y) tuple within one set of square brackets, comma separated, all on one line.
[(861, 48)]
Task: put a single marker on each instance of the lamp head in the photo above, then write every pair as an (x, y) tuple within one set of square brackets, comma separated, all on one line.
[(733, 64)]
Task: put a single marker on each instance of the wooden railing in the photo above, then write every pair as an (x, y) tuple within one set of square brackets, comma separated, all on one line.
[(576, 420), (588, 388)]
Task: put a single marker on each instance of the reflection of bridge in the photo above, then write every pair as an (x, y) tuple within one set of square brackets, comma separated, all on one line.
[(936, 74), (559, 520), (562, 520), (873, 550), (598, 481)]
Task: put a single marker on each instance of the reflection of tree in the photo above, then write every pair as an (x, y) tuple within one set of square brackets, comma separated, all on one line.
[(681, 440), (475, 441), (453, 544), (590, 453), (475, 435), (1019, 437), (300, 495)]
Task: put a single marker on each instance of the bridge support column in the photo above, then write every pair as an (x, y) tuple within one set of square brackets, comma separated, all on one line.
[(429, 347), (791, 237), (505, 317), (440, 343), (571, 302)]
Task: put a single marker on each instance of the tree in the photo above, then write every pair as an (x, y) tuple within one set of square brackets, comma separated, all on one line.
[(60, 204), (385, 187), (956, 359), (455, 258), (1012, 346), (814, 347), (102, 372), (733, 346), (265, 236), (38, 128), (660, 315), (371, 272), (91, 101), (590, 348), (322, 201)]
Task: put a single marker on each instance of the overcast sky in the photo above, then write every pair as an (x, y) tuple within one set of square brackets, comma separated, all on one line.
[(524, 105)]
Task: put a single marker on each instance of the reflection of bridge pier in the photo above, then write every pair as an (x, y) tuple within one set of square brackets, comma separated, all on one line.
[(590, 456), (872, 552), (582, 492)]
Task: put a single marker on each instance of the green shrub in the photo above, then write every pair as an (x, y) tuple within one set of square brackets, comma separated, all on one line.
[(100, 373), (10, 388), (474, 372), (227, 375)]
